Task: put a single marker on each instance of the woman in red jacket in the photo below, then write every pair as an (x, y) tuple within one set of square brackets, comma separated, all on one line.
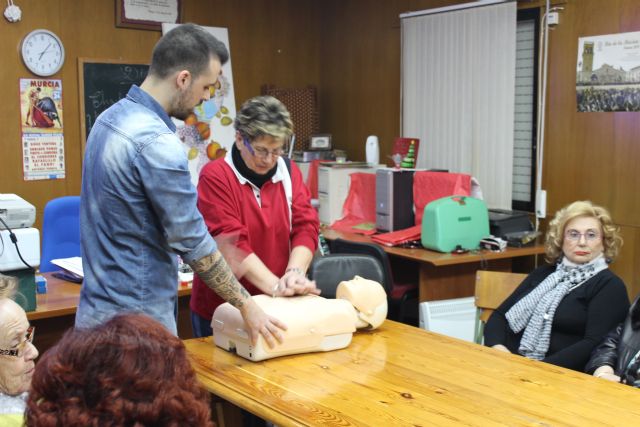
[(256, 205)]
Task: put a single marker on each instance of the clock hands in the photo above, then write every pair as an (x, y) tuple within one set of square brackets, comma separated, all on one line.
[(44, 51)]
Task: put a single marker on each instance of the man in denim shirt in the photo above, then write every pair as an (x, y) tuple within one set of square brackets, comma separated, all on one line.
[(138, 206)]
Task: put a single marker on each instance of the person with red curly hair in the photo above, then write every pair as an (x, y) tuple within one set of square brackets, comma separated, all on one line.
[(128, 371)]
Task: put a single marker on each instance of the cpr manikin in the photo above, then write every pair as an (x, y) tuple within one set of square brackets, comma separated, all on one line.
[(314, 323)]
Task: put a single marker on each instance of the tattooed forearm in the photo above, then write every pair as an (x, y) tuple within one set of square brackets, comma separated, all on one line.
[(216, 273)]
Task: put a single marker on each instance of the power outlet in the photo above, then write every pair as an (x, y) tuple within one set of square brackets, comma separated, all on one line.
[(553, 18)]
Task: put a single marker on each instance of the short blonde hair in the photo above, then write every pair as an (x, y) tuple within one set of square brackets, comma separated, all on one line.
[(611, 239), (264, 116), (8, 285)]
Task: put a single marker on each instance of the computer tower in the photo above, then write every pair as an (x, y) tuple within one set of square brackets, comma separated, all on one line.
[(394, 199)]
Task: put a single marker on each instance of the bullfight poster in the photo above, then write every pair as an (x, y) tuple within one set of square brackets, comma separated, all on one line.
[(42, 130), (208, 133), (608, 73)]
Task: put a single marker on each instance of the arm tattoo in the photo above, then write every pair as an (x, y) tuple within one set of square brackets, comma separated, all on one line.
[(216, 273)]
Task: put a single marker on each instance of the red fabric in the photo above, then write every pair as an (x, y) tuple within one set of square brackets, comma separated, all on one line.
[(40, 119), (430, 186), (360, 204), (312, 178), (234, 217), (398, 237)]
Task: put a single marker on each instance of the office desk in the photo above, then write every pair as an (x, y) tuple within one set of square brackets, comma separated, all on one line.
[(444, 275), (401, 375), (56, 310)]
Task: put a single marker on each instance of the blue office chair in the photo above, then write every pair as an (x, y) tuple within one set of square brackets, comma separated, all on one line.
[(60, 231)]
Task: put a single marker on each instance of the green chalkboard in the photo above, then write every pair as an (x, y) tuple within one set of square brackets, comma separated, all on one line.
[(102, 84)]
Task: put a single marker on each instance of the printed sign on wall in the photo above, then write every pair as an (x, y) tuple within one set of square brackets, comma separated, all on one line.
[(42, 129)]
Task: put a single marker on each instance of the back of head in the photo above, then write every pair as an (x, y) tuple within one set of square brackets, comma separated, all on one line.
[(128, 370), (264, 116), (186, 47), (8, 286)]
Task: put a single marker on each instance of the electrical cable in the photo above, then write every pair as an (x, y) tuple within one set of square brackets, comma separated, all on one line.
[(14, 239)]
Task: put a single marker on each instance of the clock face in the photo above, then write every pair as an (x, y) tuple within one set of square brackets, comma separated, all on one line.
[(42, 52)]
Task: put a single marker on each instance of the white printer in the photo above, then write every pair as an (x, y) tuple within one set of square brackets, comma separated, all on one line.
[(19, 216), (16, 212)]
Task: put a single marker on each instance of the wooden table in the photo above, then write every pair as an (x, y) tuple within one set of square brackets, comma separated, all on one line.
[(401, 375), (56, 311), (445, 275)]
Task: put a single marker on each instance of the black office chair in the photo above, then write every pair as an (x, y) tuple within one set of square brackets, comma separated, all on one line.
[(403, 297), (328, 271)]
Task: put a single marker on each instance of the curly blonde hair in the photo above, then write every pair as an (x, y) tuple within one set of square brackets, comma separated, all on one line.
[(8, 285), (611, 239)]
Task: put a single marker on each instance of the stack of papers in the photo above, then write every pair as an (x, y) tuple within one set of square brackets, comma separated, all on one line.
[(71, 266)]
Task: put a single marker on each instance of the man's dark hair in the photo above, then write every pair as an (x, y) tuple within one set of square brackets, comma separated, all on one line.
[(186, 47)]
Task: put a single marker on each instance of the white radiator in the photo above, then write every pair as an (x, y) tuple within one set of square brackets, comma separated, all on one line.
[(453, 317)]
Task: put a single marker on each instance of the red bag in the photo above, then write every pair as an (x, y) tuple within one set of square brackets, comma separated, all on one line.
[(429, 186), (312, 178), (360, 205)]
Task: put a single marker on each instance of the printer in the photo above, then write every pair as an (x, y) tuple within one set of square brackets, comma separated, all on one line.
[(16, 212), (17, 217)]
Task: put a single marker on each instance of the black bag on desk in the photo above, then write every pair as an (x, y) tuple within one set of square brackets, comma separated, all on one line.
[(503, 222)]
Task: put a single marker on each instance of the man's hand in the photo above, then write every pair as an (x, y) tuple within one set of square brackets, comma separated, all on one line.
[(260, 323), (217, 275)]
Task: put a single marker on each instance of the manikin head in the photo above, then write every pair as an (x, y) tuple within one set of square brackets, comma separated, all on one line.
[(368, 298)]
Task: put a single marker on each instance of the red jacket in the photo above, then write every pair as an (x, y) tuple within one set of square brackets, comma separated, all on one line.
[(229, 204)]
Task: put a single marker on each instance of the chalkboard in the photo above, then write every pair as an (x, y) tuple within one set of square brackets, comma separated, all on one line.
[(102, 84)]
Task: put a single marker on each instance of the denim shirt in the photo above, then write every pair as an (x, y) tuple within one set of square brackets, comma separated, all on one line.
[(137, 211)]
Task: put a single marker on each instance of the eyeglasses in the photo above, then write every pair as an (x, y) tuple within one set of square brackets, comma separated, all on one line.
[(261, 152), (575, 235), (19, 350)]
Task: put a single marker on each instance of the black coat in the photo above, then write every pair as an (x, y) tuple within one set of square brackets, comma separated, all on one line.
[(582, 319), (619, 349)]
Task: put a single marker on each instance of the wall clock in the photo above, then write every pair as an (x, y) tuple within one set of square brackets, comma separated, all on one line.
[(42, 52)]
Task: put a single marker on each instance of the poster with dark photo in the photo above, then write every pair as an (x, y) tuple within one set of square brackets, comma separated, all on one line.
[(608, 73)]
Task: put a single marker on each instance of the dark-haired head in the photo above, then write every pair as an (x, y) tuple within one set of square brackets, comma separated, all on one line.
[(186, 47), (128, 371)]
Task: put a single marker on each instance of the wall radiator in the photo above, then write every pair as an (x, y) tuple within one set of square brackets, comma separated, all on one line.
[(453, 317)]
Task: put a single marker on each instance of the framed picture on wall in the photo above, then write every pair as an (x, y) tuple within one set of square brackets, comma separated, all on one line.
[(320, 142), (148, 14)]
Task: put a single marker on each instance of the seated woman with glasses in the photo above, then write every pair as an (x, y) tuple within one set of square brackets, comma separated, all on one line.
[(562, 310), (129, 371), (17, 355), (256, 205), (617, 358)]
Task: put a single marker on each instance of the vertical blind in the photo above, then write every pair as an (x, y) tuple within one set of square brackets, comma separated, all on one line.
[(458, 79), (523, 115)]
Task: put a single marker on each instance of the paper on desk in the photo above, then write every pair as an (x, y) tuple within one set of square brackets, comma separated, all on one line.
[(72, 265)]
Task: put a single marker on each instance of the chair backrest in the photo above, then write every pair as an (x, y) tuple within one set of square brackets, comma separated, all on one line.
[(328, 271), (60, 231), (341, 246), (492, 288)]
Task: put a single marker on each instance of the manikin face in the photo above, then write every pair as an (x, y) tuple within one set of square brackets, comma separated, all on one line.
[(582, 240), (263, 154), (193, 91), (15, 371)]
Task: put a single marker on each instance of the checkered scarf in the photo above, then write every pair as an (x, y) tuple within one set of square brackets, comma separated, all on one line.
[(534, 313)]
